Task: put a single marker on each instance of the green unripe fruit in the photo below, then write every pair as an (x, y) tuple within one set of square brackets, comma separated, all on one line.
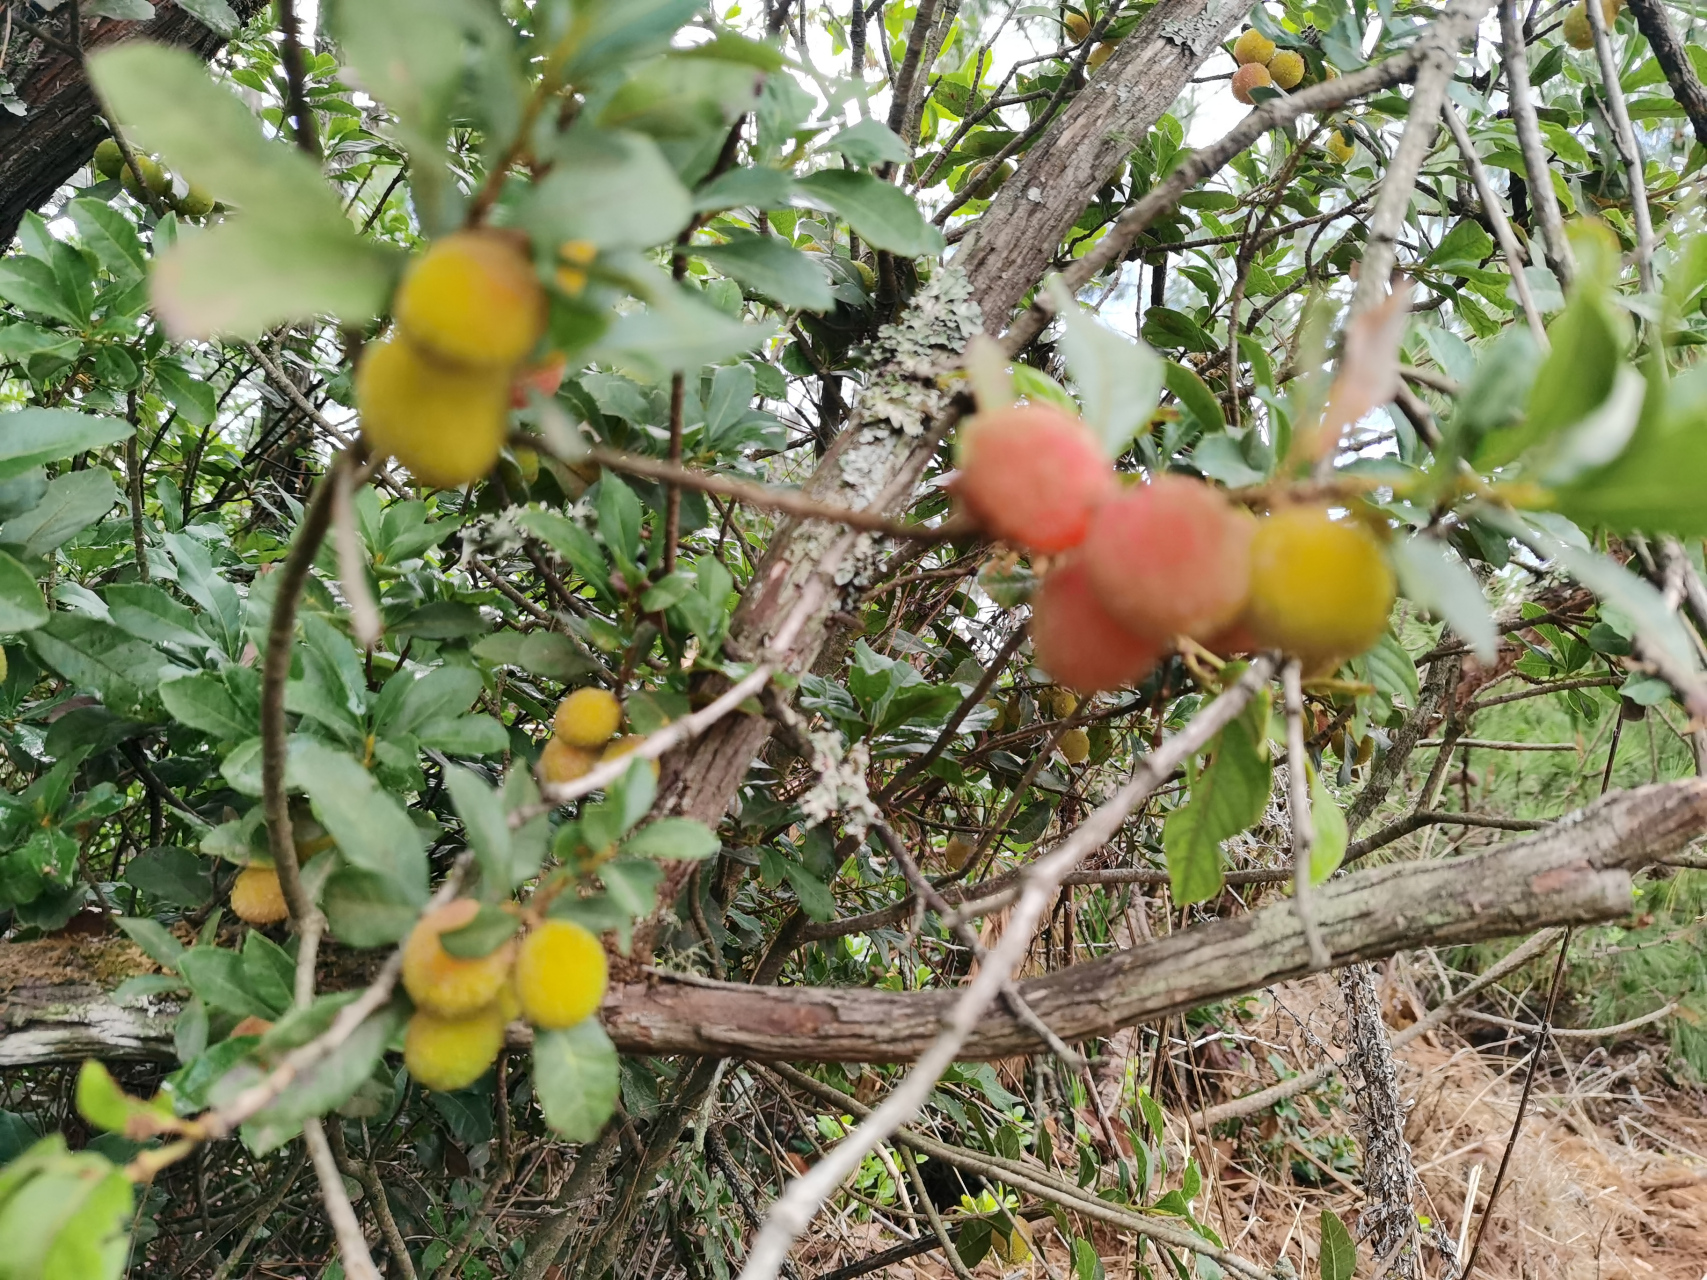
[(155, 180), (108, 160), (194, 203), (1340, 146), (1075, 746), (991, 182)]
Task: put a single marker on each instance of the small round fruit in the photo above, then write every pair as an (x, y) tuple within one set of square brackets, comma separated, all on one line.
[(1286, 68), (544, 377), (560, 974), (108, 159), (992, 181), (1252, 48), (1320, 587), (1077, 642), (445, 985), (622, 746), (1171, 557), (194, 203), (155, 180), (957, 851), (562, 762), (1578, 32), (1099, 55), (1075, 746), (257, 897), (1340, 146), (1253, 75), (587, 717), (473, 298), (1032, 475), (452, 1053), (446, 424), (1365, 749), (1077, 26), (867, 276), (1062, 703)]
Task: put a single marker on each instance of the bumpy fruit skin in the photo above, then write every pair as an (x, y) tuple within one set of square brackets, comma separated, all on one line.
[(1340, 146), (452, 1053), (1286, 68), (155, 180), (1075, 746), (1077, 26), (957, 851), (1320, 587), (1171, 557), (1100, 55), (1253, 75), (450, 986), (257, 897), (108, 160), (1252, 48), (562, 761), (1032, 475), (446, 424), (473, 298), (1077, 642), (587, 717), (560, 975)]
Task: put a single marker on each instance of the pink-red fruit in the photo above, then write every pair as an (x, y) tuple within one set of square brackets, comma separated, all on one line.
[(1076, 641), (1032, 475), (1253, 75), (1171, 557)]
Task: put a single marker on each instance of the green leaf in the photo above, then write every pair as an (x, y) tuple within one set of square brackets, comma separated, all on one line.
[(882, 215), (675, 331), (576, 1076), (1440, 582), (772, 267), (1228, 796), (216, 15), (368, 909), (100, 1101), (195, 401), (371, 828), (1464, 248), (503, 860), (31, 286), (72, 502), (678, 839), (177, 876), (203, 702), (290, 252), (156, 943), (1167, 329), (869, 143), (22, 607), (1327, 851), (112, 238), (219, 978), (1194, 394), (609, 188), (148, 613), (1655, 483), (490, 929), (816, 900), (86, 651), (329, 1083), (32, 437), (270, 969), (1119, 380), (1339, 1251)]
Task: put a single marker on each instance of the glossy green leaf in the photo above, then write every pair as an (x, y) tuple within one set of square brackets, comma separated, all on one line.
[(31, 437), (575, 1078), (881, 214)]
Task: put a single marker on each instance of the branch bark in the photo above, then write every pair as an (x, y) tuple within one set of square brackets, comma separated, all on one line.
[(40, 150), (1673, 57)]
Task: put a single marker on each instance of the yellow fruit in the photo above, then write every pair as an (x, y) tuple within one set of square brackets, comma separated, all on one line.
[(622, 746), (445, 985), (1286, 68), (508, 1002), (1365, 749), (562, 762), (1253, 48), (473, 298), (1253, 75), (452, 1053), (588, 717), (1100, 55), (1062, 702), (1075, 746), (991, 181), (257, 896), (1340, 146), (444, 423), (1578, 33), (1077, 26), (867, 277), (1014, 1246), (560, 974), (957, 851), (155, 180), (108, 159), (1320, 587)]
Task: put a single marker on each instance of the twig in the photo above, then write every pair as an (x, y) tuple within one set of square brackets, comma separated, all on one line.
[(794, 1209), (1576, 1033), (951, 727), (1402, 827), (1528, 125), (1629, 150), (1522, 1101), (352, 1245), (1298, 809), (1495, 210), (296, 76), (1673, 58)]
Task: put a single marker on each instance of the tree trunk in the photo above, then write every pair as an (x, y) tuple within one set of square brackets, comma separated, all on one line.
[(42, 148)]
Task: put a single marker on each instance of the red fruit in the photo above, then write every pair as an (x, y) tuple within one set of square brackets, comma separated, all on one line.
[(544, 377), (1171, 557), (1075, 640), (1032, 475)]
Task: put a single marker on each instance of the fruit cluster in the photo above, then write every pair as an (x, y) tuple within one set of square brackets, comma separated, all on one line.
[(554, 977), (1262, 66), (1162, 559), (192, 202), (583, 734), (436, 395)]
